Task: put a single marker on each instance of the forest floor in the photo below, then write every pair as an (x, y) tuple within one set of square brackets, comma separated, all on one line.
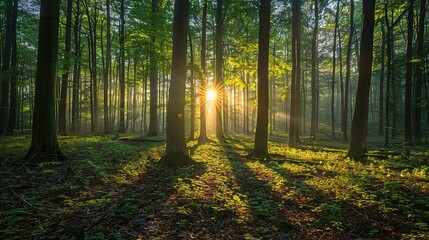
[(113, 188)]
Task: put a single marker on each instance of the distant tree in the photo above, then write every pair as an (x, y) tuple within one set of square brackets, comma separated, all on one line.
[(122, 68), (219, 81), (334, 48), (295, 110), (107, 69), (203, 125), (44, 144), (176, 153), (314, 81), (62, 123), (419, 74), (260, 148), (360, 115), (153, 108), (192, 87), (4, 101), (76, 70), (408, 134), (14, 72)]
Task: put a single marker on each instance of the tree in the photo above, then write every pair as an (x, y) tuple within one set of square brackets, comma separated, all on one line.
[(360, 115), (122, 68), (192, 87), (334, 48), (219, 81), (203, 87), (44, 144), (419, 74), (107, 69), (295, 110), (76, 70), (14, 72), (408, 75), (260, 148), (176, 153), (348, 66), (62, 126), (4, 101), (314, 81), (153, 108)]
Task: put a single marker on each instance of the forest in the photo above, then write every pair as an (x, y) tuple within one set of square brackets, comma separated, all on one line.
[(214, 119)]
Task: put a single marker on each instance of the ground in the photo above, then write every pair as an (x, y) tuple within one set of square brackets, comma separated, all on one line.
[(112, 188)]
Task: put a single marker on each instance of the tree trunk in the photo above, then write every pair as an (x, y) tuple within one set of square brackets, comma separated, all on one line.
[(295, 111), (107, 69), (192, 86), (153, 111), (360, 116), (334, 48), (260, 148), (13, 77), (44, 144), (314, 59), (176, 153), (62, 122), (122, 68), (203, 124), (4, 101), (419, 75), (408, 75), (381, 87), (218, 80), (348, 70), (76, 70)]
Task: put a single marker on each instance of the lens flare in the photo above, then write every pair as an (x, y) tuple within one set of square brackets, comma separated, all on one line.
[(210, 95)]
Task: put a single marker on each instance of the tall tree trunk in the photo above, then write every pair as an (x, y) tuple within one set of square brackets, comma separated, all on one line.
[(334, 48), (76, 70), (381, 87), (260, 148), (107, 69), (348, 70), (122, 68), (176, 153), (136, 60), (62, 122), (360, 116), (4, 101), (203, 125), (192, 86), (219, 81), (14, 73), (295, 111), (314, 59), (153, 111), (419, 75), (408, 75), (44, 144)]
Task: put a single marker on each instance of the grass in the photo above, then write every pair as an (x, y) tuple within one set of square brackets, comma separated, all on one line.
[(112, 188)]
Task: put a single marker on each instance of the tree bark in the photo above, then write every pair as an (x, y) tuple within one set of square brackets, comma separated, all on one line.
[(260, 148), (334, 48), (4, 101), (203, 125), (62, 122), (44, 144), (360, 115), (76, 70), (314, 80), (107, 69), (408, 135), (176, 153), (153, 108), (13, 76), (348, 71), (381, 87), (122, 68), (192, 86), (419, 75), (218, 80)]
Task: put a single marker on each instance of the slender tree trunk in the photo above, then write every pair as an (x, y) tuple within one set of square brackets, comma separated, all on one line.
[(107, 69), (203, 124), (360, 116), (13, 77), (348, 69), (419, 75), (408, 75), (260, 148), (219, 81), (381, 88), (295, 112), (334, 48), (4, 101), (314, 59), (76, 70), (192, 86), (44, 144), (122, 68), (176, 153), (153, 111), (62, 122)]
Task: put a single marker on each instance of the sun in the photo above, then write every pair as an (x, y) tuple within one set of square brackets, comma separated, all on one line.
[(210, 95)]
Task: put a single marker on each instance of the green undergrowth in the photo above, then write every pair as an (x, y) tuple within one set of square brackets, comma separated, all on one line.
[(111, 187)]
